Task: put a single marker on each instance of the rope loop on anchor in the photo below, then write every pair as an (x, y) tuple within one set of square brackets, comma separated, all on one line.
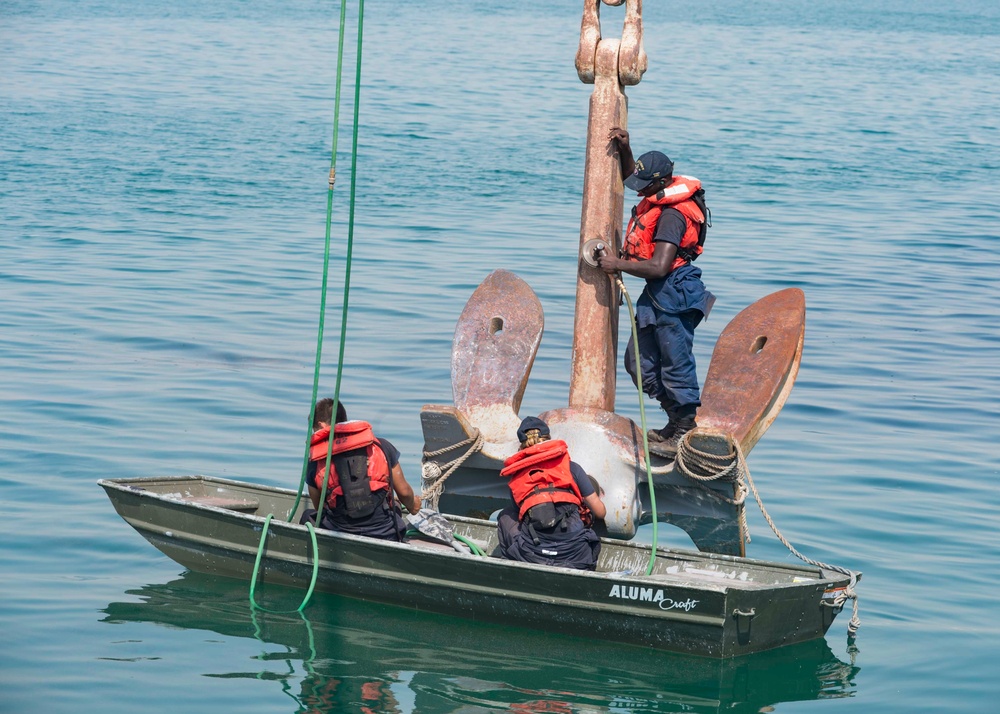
[(702, 467), (433, 474)]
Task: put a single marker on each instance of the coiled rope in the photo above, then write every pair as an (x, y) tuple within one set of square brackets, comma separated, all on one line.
[(701, 467), (433, 475)]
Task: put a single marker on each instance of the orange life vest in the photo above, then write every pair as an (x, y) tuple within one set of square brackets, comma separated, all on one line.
[(541, 474), (638, 241), (348, 436)]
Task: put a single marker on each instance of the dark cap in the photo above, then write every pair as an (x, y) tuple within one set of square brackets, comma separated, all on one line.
[(530, 423), (649, 167)]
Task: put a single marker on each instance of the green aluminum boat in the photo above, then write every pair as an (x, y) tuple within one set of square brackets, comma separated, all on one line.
[(696, 603), (711, 602)]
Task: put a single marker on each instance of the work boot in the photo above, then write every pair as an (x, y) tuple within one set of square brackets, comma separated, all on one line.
[(659, 435), (668, 447)]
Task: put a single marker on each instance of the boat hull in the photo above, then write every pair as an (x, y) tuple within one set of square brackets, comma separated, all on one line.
[(694, 603)]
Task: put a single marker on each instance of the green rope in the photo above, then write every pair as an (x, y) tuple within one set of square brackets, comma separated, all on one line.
[(350, 253), (256, 570), (326, 261), (322, 311), (642, 418), (473, 546)]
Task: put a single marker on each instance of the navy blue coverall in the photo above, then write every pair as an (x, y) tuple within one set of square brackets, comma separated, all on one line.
[(666, 314)]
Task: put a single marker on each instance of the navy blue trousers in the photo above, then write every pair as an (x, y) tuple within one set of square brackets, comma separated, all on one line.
[(667, 360), (578, 547), (386, 523)]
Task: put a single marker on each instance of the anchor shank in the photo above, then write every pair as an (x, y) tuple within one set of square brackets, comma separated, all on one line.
[(595, 327)]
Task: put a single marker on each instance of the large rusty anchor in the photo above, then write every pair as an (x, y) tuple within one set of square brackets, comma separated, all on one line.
[(750, 375)]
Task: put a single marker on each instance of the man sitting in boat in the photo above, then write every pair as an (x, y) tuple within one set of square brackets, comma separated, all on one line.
[(365, 478), (555, 504)]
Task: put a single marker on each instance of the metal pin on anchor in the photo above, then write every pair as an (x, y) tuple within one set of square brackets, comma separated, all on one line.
[(592, 249)]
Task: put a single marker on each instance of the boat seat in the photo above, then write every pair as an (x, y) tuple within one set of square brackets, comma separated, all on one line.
[(230, 503)]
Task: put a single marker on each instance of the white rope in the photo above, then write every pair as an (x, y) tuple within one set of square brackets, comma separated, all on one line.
[(702, 467), (433, 474)]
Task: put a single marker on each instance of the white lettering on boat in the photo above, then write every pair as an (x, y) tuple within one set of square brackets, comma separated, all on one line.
[(634, 592), (685, 605)]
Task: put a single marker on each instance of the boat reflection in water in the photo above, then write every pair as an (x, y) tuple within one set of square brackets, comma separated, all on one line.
[(350, 655)]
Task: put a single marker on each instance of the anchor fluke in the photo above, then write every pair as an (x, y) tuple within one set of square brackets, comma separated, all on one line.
[(496, 339)]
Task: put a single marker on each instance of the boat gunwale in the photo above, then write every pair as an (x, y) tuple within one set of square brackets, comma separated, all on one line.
[(816, 575)]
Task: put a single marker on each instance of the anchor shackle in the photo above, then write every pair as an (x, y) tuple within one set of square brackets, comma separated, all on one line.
[(631, 56)]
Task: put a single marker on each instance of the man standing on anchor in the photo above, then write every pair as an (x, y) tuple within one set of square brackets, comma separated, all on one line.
[(664, 235)]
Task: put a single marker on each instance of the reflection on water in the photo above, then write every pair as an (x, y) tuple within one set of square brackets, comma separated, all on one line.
[(348, 655)]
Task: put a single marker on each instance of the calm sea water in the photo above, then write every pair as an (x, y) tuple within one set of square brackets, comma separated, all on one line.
[(162, 203)]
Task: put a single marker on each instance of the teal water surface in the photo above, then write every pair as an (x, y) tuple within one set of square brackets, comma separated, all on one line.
[(163, 173)]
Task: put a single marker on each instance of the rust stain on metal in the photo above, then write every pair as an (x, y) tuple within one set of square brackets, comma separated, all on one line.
[(632, 60), (495, 343), (754, 366), (608, 64)]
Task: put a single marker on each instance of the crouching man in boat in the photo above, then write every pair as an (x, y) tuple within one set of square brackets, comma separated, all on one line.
[(555, 504), (364, 482)]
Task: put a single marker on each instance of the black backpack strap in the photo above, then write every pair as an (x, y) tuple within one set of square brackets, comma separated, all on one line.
[(531, 531), (699, 200), (551, 488), (352, 473)]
